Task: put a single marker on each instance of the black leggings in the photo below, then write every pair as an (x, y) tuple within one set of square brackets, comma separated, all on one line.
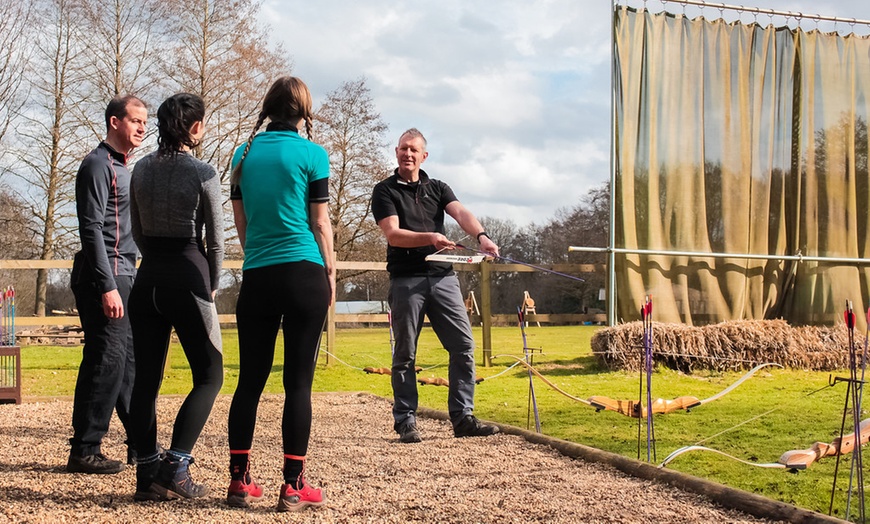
[(153, 313), (298, 293)]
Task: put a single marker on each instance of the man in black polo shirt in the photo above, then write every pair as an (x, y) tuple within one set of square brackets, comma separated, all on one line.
[(101, 280), (409, 207)]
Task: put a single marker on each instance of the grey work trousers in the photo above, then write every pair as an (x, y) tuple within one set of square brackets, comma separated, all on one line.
[(440, 299)]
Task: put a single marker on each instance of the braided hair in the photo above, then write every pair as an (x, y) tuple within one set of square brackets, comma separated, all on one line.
[(175, 116), (287, 100)]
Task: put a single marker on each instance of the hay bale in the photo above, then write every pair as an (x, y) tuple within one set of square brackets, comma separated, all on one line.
[(727, 346)]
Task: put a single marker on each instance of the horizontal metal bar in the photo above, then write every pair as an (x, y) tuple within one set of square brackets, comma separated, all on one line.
[(770, 12), (702, 254)]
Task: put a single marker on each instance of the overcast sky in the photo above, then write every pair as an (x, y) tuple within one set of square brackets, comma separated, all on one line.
[(513, 96)]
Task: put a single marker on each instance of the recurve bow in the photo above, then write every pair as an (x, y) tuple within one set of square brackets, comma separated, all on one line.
[(797, 459), (386, 371), (633, 408)]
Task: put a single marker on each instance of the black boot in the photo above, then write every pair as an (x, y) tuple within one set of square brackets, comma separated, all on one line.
[(145, 474), (173, 479)]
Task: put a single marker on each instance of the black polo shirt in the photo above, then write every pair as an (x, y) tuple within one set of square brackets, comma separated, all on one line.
[(420, 207)]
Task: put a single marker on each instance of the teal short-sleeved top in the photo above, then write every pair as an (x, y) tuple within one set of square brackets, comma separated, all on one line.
[(274, 189)]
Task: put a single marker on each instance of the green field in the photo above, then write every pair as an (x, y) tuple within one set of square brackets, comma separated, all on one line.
[(775, 411)]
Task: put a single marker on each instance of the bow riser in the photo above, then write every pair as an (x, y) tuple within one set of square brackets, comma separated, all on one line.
[(634, 409), (803, 458)]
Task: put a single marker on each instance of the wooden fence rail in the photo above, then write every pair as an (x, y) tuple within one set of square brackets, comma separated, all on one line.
[(486, 317)]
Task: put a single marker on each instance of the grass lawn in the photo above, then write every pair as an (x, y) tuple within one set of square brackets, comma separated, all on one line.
[(775, 411)]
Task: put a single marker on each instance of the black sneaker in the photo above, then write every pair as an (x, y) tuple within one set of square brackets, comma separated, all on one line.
[(469, 426), (408, 433), (96, 464)]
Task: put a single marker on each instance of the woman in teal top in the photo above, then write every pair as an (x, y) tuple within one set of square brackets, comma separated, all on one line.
[(275, 199), (279, 193)]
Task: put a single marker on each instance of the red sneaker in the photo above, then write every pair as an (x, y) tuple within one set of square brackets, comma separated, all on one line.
[(298, 499), (239, 494)]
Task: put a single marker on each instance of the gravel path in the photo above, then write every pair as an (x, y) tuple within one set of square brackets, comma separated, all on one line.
[(367, 475)]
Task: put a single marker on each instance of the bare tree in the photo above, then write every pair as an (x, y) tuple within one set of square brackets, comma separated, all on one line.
[(123, 41), (353, 132), (14, 22), (17, 241), (587, 224), (17, 232), (52, 138), (222, 55)]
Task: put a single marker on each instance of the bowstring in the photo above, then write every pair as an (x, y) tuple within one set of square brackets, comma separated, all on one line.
[(756, 417), (539, 268)]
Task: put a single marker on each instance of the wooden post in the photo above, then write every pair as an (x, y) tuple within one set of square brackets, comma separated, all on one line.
[(330, 332), (486, 311), (330, 324)]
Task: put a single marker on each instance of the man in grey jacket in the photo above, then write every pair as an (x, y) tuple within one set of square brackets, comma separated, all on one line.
[(101, 281)]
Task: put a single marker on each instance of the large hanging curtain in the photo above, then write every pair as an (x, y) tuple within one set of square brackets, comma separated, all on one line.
[(739, 138)]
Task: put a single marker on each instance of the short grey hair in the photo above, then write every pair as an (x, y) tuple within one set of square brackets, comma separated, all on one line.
[(414, 133)]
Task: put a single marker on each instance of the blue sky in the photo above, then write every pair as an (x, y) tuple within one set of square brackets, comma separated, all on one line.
[(513, 96)]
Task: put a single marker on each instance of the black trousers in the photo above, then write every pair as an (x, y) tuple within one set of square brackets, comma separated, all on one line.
[(154, 311), (105, 380), (297, 295)]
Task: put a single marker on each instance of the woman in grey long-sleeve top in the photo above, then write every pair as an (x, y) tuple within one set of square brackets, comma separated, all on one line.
[(177, 220)]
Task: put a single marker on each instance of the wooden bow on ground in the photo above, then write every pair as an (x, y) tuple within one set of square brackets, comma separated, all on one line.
[(385, 371), (438, 381), (430, 381), (796, 459), (633, 408)]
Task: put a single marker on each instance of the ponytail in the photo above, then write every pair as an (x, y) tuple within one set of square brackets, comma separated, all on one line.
[(175, 116)]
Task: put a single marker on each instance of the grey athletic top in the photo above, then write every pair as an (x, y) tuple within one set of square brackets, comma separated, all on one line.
[(177, 218)]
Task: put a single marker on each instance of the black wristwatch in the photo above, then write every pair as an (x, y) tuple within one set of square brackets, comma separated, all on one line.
[(482, 234)]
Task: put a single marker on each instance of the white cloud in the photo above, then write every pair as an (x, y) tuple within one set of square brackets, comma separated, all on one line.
[(528, 184), (513, 96)]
